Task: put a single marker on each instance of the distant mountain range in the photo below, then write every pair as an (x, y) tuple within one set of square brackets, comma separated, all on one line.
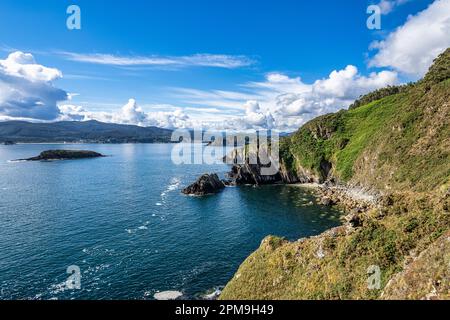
[(83, 131), (89, 132)]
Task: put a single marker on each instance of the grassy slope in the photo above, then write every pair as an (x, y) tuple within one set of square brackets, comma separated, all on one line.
[(295, 270), (398, 141), (398, 145)]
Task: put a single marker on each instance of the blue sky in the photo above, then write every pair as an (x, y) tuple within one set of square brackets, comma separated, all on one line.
[(106, 63)]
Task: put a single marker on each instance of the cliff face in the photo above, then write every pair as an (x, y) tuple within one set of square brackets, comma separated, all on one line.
[(395, 142), (251, 174)]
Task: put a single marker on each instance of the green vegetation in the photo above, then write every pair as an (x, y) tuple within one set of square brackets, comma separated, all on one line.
[(379, 94), (297, 271), (398, 145), (398, 141), (440, 70)]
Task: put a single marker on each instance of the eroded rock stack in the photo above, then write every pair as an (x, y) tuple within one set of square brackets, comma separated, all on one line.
[(206, 184)]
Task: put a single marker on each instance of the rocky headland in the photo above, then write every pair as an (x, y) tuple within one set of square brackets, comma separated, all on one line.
[(386, 161)]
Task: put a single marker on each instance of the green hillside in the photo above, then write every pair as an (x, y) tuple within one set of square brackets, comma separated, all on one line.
[(395, 142), (398, 141)]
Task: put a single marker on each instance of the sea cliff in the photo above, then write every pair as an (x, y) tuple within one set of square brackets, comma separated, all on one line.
[(387, 161)]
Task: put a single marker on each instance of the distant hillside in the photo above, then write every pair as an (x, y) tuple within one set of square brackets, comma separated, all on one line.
[(395, 144), (75, 131)]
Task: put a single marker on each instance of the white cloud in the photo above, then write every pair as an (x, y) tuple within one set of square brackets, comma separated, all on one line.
[(346, 84), (26, 89), (72, 113), (387, 6), (23, 65), (285, 102), (292, 108), (411, 48), (255, 117), (280, 101), (130, 114), (196, 60)]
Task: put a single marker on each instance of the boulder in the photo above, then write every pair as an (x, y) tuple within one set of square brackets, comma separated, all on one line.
[(206, 184), (326, 201), (354, 219)]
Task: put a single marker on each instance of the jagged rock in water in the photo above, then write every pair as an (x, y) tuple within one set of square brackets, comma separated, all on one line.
[(206, 184), (65, 155), (251, 174)]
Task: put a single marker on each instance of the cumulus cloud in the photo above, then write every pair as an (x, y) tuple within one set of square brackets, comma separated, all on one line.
[(70, 112), (387, 6), (26, 89), (326, 95), (346, 84), (130, 114), (255, 117), (280, 101), (411, 48), (285, 103)]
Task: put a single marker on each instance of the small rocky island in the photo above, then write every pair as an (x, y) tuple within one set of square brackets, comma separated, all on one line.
[(206, 184), (64, 155)]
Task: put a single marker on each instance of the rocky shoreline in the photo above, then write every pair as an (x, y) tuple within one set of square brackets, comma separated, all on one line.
[(353, 200)]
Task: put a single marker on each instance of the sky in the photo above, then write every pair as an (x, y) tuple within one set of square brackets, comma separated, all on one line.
[(215, 64)]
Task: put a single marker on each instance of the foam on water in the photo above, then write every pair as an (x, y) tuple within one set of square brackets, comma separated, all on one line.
[(174, 185), (144, 226), (168, 295)]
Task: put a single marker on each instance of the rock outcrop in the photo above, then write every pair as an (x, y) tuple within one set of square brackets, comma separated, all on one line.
[(425, 277), (64, 155), (206, 184), (250, 174), (351, 198)]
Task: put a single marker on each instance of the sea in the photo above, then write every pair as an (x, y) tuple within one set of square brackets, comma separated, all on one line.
[(119, 227)]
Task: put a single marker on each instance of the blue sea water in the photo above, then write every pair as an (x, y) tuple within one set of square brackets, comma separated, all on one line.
[(124, 222)]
